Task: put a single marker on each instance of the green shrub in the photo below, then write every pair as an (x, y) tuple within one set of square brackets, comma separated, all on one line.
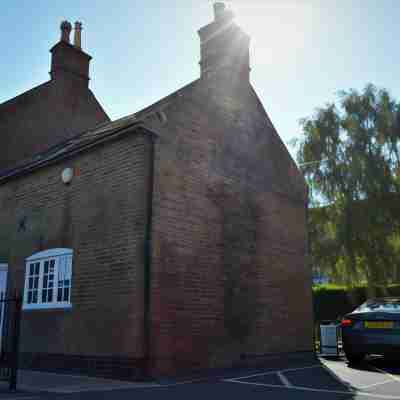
[(331, 302)]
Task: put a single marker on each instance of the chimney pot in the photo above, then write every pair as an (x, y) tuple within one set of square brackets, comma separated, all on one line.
[(219, 10), (77, 35), (66, 28)]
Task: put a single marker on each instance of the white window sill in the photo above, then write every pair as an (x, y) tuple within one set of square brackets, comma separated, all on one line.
[(55, 306)]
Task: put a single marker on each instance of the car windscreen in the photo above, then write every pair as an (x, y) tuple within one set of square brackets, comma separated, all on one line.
[(388, 305)]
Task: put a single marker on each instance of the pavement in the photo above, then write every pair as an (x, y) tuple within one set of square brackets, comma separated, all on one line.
[(327, 378), (45, 382)]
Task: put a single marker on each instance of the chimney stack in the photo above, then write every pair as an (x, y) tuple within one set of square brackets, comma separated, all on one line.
[(69, 64), (224, 49)]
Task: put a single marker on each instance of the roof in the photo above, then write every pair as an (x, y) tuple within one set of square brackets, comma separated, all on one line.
[(42, 117), (96, 135), (78, 143)]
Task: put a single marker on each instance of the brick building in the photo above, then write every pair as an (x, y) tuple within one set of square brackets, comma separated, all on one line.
[(171, 239)]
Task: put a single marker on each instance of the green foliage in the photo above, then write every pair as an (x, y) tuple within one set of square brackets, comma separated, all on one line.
[(332, 302), (350, 156)]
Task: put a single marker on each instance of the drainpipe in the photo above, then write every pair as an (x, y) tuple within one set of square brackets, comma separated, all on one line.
[(147, 258), (309, 263)]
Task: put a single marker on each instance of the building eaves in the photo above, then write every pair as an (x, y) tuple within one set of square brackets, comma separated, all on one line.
[(77, 144), (97, 135)]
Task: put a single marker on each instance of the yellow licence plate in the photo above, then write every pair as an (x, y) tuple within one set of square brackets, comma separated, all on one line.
[(378, 324)]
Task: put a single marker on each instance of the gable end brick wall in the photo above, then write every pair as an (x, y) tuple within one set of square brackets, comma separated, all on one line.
[(230, 277)]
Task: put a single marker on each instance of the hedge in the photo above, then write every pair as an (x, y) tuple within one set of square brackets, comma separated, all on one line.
[(332, 302)]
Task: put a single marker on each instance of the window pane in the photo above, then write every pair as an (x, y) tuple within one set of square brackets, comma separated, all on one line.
[(68, 267), (54, 275), (66, 294)]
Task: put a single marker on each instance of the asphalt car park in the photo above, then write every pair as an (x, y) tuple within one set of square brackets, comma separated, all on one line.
[(331, 378), (323, 378), (334, 379), (375, 377)]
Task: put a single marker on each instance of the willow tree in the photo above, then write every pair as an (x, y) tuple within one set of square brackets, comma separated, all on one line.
[(350, 156)]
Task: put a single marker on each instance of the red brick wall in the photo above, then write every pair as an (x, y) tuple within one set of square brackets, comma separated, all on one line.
[(101, 215), (45, 116), (229, 268), (229, 273)]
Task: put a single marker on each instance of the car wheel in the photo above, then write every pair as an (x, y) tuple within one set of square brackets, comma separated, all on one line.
[(354, 358)]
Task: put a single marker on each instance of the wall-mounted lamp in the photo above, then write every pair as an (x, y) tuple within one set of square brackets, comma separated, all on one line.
[(67, 175)]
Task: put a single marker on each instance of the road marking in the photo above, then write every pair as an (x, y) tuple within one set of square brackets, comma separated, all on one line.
[(307, 389), (395, 378), (105, 387), (18, 398), (276, 372), (375, 384), (336, 377), (346, 369), (284, 380)]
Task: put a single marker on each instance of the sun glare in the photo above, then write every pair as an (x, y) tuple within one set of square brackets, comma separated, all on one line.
[(277, 28)]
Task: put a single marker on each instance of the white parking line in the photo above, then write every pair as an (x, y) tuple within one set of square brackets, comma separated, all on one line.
[(336, 377), (284, 380), (359, 387), (307, 389), (276, 372), (19, 398), (104, 388), (393, 377), (376, 384)]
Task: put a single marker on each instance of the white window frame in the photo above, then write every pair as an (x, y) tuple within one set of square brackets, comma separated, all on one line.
[(3, 293), (63, 259)]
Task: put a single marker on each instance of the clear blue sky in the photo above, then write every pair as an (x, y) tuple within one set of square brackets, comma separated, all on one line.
[(302, 53)]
